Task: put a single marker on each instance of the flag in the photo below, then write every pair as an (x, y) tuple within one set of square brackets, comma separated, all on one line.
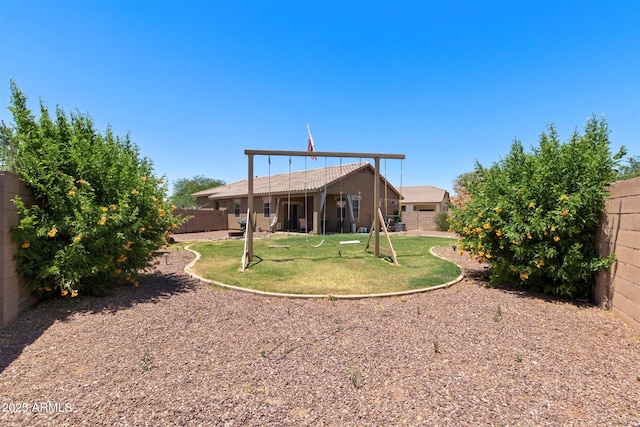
[(310, 146)]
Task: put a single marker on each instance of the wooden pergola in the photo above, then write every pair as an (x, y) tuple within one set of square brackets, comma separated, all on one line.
[(248, 251)]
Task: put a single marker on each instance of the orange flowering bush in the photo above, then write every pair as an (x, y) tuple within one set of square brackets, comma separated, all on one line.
[(97, 200), (540, 212)]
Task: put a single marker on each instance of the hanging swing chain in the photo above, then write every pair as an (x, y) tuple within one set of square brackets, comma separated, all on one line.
[(340, 202), (289, 202), (324, 215), (270, 229), (269, 183), (306, 215), (359, 194), (400, 198), (386, 197)]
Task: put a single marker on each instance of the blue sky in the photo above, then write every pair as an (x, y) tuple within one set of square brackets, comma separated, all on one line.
[(446, 83)]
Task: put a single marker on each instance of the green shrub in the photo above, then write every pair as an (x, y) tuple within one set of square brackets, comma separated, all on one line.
[(101, 212), (534, 216), (442, 221)]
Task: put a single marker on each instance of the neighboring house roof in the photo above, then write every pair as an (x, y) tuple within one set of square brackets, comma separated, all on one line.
[(423, 194), (311, 180)]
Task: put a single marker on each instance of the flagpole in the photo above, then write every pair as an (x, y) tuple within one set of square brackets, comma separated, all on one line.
[(311, 146)]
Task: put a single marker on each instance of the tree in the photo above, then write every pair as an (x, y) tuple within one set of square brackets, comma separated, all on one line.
[(533, 216), (101, 212), (5, 141), (630, 170), (185, 187), (460, 187)]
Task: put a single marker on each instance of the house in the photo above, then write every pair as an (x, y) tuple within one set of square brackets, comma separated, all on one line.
[(331, 199), (424, 198), (420, 206)]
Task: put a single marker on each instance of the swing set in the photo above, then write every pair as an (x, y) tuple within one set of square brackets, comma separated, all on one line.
[(378, 219)]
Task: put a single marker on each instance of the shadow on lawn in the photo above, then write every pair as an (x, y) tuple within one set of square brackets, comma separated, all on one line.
[(30, 325)]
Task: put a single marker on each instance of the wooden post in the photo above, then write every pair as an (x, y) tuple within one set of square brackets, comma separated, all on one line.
[(376, 198)]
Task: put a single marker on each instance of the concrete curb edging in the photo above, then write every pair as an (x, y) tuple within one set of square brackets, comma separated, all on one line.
[(187, 270)]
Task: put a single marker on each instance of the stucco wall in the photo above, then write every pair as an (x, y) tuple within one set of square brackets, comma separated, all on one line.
[(201, 220), (15, 296), (618, 288)]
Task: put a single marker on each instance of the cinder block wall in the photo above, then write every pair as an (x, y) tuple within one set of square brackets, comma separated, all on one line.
[(202, 220), (15, 296), (618, 288), (420, 220)]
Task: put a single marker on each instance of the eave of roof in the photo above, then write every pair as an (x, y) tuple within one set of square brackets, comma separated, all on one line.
[(423, 194)]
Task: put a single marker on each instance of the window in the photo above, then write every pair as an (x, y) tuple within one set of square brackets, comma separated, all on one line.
[(404, 208), (236, 208), (267, 209)]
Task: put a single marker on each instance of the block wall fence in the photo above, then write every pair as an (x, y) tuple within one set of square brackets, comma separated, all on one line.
[(201, 220), (417, 220), (617, 289), (14, 292)]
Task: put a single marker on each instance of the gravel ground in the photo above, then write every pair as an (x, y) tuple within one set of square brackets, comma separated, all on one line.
[(176, 352)]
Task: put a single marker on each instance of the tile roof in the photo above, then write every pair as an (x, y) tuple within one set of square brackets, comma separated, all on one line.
[(423, 194), (312, 180)]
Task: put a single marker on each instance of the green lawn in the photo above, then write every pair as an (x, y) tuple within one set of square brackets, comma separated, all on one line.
[(331, 269)]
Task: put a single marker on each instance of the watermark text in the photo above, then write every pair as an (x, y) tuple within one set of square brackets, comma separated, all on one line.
[(36, 407)]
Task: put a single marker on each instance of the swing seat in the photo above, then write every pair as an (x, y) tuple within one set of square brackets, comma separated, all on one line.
[(350, 242), (279, 246), (318, 245)]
